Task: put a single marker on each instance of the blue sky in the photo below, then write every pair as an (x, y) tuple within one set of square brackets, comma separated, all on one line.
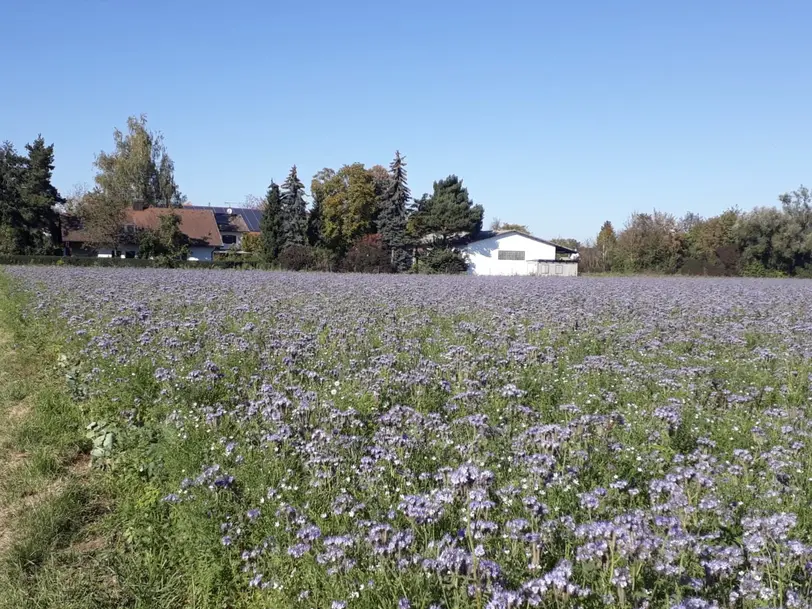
[(558, 115)]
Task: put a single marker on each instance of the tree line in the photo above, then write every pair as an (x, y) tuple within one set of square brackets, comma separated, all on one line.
[(361, 218), (765, 241), (355, 218), (364, 219)]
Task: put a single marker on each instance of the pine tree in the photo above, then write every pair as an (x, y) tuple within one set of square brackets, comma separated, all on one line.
[(28, 221), (448, 213), (294, 210), (393, 216), (272, 224), (39, 196)]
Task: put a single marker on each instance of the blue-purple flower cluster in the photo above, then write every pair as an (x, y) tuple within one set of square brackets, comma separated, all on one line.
[(443, 442)]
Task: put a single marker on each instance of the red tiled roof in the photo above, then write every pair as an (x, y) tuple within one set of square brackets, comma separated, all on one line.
[(197, 224)]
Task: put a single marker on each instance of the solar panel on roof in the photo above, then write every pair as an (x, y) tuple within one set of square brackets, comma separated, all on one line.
[(252, 217)]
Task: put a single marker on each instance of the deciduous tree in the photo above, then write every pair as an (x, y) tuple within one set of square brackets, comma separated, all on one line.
[(167, 242), (315, 217), (498, 225), (138, 169), (569, 242), (605, 245), (651, 242), (348, 207)]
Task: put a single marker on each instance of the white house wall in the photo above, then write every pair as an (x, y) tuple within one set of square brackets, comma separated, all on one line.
[(483, 256)]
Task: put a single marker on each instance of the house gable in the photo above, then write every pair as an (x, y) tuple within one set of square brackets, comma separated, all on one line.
[(509, 253)]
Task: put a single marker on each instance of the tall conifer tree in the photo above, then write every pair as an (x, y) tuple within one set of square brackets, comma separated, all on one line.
[(272, 224), (294, 210), (393, 215)]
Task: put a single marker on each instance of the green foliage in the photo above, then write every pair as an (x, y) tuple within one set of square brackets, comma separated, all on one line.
[(294, 210), (572, 244), (392, 221), (498, 225), (315, 219), (764, 242), (271, 228), (348, 207), (304, 258), (756, 268), (166, 243), (252, 243), (650, 242), (139, 169), (86, 261), (605, 244), (443, 261), (778, 239), (448, 213), (369, 255), (28, 221)]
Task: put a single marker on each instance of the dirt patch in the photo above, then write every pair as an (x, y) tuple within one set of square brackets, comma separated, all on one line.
[(93, 544), (18, 411), (81, 465), (5, 530)]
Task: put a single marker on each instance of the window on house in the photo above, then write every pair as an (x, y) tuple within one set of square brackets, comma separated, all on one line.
[(559, 269), (229, 239), (545, 269), (510, 255)]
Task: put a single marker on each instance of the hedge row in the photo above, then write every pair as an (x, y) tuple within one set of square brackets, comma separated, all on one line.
[(124, 262)]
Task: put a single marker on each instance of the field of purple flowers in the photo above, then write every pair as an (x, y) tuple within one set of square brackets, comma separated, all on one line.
[(338, 441)]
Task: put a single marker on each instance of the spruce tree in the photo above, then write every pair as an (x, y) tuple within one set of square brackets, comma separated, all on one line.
[(272, 224), (39, 197), (294, 210), (393, 216), (12, 236), (314, 236)]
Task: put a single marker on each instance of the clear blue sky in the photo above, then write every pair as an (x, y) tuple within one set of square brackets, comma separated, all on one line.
[(558, 115)]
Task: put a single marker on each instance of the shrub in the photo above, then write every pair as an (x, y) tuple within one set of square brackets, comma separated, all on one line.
[(757, 269), (368, 255), (447, 262), (304, 258), (74, 261), (237, 263), (251, 243), (694, 266)]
